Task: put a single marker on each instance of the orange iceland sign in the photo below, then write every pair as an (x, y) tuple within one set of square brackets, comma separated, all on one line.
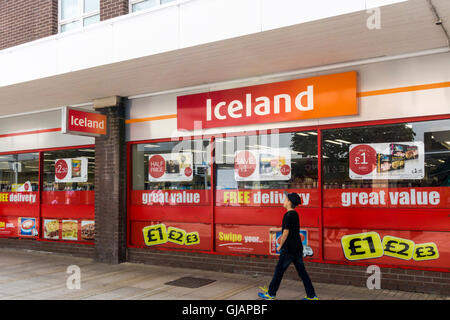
[(311, 98)]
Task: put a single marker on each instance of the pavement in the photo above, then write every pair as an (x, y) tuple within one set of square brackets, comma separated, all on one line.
[(31, 275)]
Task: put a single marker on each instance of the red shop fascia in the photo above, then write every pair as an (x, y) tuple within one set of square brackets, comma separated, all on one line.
[(389, 220)]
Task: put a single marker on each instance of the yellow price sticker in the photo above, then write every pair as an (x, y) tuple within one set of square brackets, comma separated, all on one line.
[(155, 234), (176, 235), (2, 224), (362, 246), (398, 247), (192, 238), (426, 251)]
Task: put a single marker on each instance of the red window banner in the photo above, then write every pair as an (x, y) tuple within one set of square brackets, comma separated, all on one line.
[(170, 197), (68, 198), (18, 197), (429, 197), (265, 197), (177, 235), (317, 97)]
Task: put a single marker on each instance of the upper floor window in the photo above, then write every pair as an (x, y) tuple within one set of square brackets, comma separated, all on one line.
[(75, 14), (137, 5)]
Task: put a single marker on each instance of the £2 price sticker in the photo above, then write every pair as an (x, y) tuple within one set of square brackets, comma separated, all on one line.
[(398, 247), (426, 251), (362, 246), (176, 235), (155, 234)]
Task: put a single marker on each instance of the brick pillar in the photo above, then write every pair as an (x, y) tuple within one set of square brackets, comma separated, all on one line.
[(113, 8), (110, 187)]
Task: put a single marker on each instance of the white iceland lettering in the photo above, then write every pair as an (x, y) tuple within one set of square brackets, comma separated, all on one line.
[(260, 106)]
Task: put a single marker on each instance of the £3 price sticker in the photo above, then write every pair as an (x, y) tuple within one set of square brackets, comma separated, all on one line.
[(426, 251), (192, 238), (176, 235), (398, 247), (362, 246), (155, 234)]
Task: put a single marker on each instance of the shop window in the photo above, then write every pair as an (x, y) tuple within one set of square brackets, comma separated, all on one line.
[(75, 14), (19, 172), (410, 159), (68, 197), (69, 170), (265, 162), (175, 165)]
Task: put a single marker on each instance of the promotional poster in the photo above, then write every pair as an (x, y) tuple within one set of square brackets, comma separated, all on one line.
[(385, 161), (262, 165), (71, 170), (170, 167)]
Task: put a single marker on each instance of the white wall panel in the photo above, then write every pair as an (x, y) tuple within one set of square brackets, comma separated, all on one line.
[(147, 34), (214, 20)]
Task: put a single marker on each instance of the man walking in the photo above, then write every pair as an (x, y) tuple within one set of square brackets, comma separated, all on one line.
[(291, 251)]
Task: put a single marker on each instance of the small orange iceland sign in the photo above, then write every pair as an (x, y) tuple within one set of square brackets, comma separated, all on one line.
[(310, 98)]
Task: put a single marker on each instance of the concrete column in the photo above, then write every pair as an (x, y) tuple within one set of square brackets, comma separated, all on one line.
[(110, 184)]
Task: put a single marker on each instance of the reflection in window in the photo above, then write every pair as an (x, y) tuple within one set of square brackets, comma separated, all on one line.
[(19, 172), (270, 150), (75, 159), (175, 165), (433, 134)]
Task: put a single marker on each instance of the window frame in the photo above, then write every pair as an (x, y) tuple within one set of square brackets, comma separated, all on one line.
[(80, 17)]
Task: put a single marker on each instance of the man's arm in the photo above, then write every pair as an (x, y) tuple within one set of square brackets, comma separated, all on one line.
[(283, 238)]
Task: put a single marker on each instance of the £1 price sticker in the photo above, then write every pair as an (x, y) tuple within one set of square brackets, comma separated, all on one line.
[(398, 247), (426, 251), (155, 234), (192, 238), (362, 246), (176, 235)]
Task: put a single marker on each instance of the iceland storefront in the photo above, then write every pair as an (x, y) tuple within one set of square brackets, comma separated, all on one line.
[(367, 150), (202, 173)]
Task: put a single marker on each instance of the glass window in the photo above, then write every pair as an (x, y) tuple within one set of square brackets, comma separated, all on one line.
[(91, 6), (75, 14), (19, 172), (137, 5), (70, 26), (282, 161), (178, 165), (91, 20), (69, 9), (69, 170), (415, 154)]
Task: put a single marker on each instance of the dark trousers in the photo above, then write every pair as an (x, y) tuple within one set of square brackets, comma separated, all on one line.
[(283, 263)]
